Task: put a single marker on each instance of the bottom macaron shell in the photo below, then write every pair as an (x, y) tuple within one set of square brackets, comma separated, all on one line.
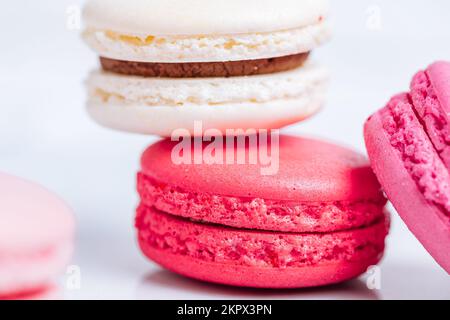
[(257, 259), (161, 106), (423, 218), (147, 120), (24, 275), (254, 277)]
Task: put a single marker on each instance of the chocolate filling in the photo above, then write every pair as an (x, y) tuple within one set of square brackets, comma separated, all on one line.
[(204, 69)]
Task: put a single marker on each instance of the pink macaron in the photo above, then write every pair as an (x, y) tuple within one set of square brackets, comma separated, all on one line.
[(408, 144), (36, 234), (318, 219)]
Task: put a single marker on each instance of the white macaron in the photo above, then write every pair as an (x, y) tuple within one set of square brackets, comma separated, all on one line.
[(228, 64)]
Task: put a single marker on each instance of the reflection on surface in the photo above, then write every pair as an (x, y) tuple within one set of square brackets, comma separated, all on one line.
[(411, 280), (169, 282)]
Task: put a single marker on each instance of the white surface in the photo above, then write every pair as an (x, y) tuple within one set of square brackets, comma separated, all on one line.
[(202, 17), (47, 136)]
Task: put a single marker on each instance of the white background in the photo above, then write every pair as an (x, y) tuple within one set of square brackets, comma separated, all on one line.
[(46, 136)]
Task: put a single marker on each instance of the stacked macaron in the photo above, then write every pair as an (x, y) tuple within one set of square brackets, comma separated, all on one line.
[(166, 64), (408, 142), (319, 219)]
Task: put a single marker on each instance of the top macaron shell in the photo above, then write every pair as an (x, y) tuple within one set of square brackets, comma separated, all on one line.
[(202, 17), (176, 31), (309, 170)]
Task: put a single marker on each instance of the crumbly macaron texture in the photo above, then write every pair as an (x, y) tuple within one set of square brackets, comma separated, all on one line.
[(253, 248), (258, 213), (257, 277), (412, 175), (212, 247), (430, 93), (204, 30), (218, 48), (419, 157)]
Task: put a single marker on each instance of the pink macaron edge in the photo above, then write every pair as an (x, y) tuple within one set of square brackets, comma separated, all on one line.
[(430, 94), (412, 174), (258, 213)]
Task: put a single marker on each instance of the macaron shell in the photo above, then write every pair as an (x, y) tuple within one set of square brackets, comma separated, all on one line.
[(164, 121), (308, 170), (426, 220), (430, 93), (257, 213), (213, 48), (161, 105), (439, 74), (255, 277), (257, 259), (202, 17)]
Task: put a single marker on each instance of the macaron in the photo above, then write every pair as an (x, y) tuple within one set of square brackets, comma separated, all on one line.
[(408, 145), (36, 237), (230, 64), (318, 219)]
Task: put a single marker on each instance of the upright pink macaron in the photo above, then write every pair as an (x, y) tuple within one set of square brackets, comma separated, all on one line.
[(408, 144), (318, 219), (36, 234)]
